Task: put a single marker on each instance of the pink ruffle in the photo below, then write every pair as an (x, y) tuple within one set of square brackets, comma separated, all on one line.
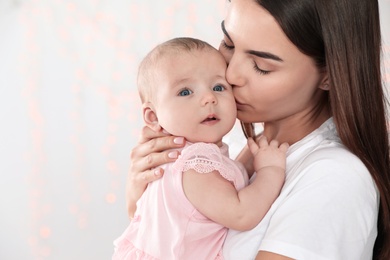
[(125, 250), (205, 158)]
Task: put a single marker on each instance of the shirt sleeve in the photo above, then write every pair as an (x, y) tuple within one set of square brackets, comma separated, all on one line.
[(206, 158)]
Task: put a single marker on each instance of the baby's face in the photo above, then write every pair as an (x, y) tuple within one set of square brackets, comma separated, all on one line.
[(193, 98)]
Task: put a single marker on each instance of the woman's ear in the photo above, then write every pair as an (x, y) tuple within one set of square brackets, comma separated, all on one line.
[(325, 83), (150, 117)]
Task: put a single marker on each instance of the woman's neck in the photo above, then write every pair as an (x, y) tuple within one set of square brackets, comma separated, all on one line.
[(294, 128)]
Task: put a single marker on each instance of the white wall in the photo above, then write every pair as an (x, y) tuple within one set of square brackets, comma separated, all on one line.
[(70, 114)]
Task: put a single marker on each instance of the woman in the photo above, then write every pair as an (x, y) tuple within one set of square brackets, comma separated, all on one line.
[(310, 70)]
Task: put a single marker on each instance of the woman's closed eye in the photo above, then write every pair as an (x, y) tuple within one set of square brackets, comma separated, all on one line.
[(258, 70), (226, 46)]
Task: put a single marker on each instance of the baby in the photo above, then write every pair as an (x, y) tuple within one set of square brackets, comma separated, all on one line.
[(186, 214)]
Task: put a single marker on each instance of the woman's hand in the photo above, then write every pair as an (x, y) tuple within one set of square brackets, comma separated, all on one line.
[(153, 150)]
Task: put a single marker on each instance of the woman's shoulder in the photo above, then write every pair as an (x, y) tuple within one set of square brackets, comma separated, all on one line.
[(332, 175), (323, 149), (333, 157), (334, 165)]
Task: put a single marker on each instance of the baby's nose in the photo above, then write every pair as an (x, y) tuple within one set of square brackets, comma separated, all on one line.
[(209, 98)]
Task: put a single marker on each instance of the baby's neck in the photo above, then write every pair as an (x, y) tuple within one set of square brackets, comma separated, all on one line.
[(218, 143)]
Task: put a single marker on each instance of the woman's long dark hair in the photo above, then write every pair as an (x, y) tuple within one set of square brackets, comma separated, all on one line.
[(343, 37)]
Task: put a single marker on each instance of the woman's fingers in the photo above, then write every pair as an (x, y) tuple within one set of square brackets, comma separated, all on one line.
[(156, 141), (136, 185), (150, 175), (155, 152), (147, 134), (152, 160)]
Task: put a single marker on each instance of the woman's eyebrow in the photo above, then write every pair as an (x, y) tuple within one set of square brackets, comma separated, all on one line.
[(261, 54), (224, 30), (265, 55)]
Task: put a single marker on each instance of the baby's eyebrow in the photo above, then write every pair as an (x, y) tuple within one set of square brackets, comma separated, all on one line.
[(180, 81)]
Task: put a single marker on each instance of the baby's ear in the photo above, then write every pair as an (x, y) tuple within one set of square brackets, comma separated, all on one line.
[(150, 117)]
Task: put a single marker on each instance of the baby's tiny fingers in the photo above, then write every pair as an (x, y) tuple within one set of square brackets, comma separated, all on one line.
[(263, 141), (274, 143), (253, 147), (284, 147)]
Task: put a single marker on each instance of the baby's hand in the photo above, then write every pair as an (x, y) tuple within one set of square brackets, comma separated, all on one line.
[(268, 154)]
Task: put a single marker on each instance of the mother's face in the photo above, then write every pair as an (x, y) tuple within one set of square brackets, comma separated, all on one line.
[(272, 80)]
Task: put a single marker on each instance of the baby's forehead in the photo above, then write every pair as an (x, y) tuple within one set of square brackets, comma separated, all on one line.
[(188, 57), (186, 62), (172, 53), (169, 64), (175, 68)]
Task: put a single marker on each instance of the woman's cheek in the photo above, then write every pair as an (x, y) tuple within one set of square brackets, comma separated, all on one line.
[(225, 53)]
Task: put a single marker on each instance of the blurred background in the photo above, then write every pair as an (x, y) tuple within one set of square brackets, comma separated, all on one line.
[(70, 114)]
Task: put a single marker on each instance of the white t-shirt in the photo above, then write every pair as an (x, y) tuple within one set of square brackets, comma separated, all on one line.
[(327, 208)]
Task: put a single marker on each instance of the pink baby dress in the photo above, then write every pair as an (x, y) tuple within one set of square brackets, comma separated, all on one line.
[(166, 226)]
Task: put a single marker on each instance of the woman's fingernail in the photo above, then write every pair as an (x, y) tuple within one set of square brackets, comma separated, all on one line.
[(172, 155), (157, 172), (178, 140)]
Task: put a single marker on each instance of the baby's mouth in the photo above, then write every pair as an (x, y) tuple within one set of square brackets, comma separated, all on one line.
[(210, 118)]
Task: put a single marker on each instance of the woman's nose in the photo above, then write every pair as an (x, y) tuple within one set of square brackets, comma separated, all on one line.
[(234, 72)]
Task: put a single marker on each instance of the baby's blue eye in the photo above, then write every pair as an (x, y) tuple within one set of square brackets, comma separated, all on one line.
[(218, 88), (185, 92)]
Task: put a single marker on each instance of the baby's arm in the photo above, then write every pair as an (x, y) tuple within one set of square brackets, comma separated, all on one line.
[(216, 198)]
